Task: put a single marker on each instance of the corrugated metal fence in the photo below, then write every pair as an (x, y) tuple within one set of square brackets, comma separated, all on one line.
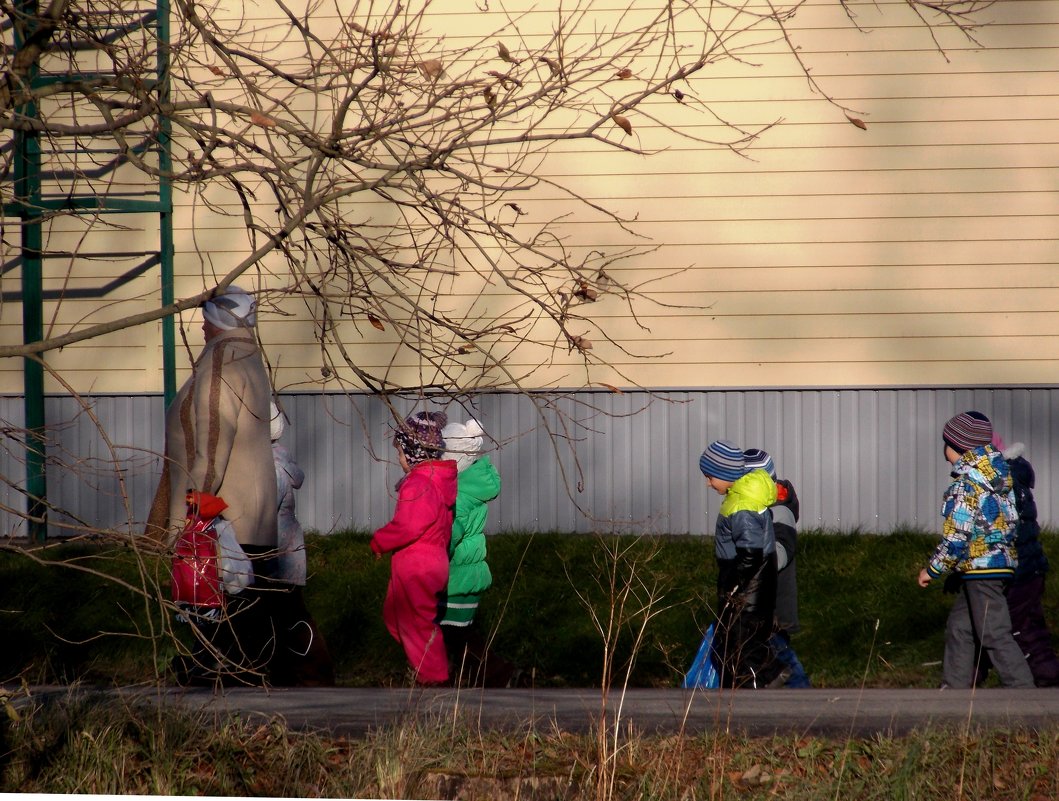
[(860, 459)]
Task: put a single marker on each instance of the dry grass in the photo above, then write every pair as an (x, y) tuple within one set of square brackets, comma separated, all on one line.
[(886, 635), (90, 745)]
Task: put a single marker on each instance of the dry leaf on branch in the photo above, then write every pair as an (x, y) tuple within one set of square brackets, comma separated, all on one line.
[(625, 73), (678, 95), (504, 79), (516, 208), (611, 387), (215, 69), (581, 343), (505, 54), (376, 322), (553, 65), (622, 123), (257, 118), (432, 68), (858, 122)]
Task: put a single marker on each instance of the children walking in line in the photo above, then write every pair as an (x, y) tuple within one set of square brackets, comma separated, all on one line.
[(1026, 590), (784, 523), (418, 537), (478, 483), (745, 546), (976, 547)]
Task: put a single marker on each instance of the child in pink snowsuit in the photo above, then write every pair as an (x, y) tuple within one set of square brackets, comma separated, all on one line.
[(418, 536)]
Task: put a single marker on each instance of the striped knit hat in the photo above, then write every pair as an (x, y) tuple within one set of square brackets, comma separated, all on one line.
[(724, 460), (757, 459), (967, 431)]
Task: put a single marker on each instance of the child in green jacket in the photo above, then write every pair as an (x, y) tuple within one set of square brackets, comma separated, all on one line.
[(478, 483)]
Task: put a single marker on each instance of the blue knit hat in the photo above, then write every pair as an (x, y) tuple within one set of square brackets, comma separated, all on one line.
[(757, 459), (724, 460)]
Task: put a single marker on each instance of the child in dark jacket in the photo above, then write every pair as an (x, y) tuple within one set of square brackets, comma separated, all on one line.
[(745, 546), (784, 523), (1026, 589)]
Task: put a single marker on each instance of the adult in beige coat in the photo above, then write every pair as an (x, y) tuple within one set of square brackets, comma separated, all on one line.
[(218, 441), (218, 434)]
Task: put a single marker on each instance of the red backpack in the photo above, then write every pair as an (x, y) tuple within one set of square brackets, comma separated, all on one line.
[(196, 572)]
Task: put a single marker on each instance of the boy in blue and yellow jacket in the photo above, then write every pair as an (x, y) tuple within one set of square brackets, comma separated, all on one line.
[(745, 546), (977, 548)]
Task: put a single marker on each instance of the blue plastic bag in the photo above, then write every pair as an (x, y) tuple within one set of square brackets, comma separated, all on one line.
[(702, 673)]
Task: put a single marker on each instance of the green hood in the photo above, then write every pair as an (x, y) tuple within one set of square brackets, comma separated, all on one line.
[(468, 571), (478, 484)]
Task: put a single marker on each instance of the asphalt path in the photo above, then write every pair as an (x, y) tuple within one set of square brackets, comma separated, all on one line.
[(851, 712)]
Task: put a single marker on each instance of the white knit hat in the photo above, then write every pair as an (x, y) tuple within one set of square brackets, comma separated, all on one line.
[(233, 308), (277, 424), (463, 442)]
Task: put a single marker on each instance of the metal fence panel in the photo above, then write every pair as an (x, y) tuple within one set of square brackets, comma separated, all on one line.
[(867, 460)]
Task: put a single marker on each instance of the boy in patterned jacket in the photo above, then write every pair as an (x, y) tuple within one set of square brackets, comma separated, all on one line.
[(979, 522)]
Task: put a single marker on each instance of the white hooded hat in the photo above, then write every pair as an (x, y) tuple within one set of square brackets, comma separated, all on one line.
[(276, 423), (463, 442), (233, 308)]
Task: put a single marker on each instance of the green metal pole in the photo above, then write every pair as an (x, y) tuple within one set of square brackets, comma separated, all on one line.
[(165, 198), (33, 369), (27, 194)]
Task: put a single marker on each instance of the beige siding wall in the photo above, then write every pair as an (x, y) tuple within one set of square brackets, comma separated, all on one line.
[(921, 251)]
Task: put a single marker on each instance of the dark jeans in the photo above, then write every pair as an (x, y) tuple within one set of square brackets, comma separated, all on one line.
[(235, 646), (302, 658), (747, 593), (471, 663), (263, 635)]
